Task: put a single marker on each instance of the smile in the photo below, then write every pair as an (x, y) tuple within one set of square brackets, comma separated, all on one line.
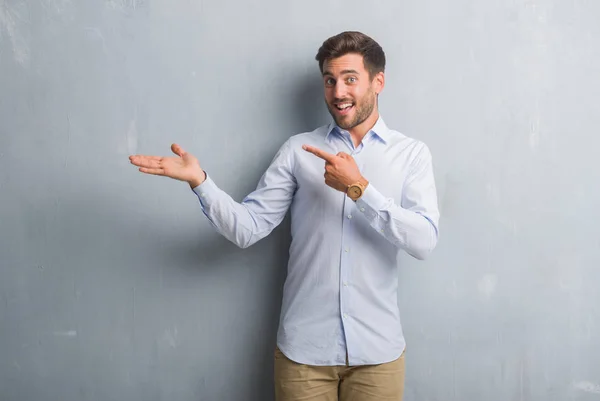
[(344, 108)]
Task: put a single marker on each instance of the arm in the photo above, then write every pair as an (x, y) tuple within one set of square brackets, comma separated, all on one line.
[(260, 212), (413, 224), (242, 223)]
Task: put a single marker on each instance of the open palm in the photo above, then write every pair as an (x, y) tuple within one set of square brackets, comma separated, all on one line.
[(183, 167)]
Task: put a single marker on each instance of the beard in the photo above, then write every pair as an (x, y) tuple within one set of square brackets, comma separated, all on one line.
[(363, 110)]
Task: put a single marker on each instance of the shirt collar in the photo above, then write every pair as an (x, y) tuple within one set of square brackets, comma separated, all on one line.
[(380, 129)]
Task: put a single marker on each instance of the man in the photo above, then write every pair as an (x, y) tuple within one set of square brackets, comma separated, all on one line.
[(360, 193)]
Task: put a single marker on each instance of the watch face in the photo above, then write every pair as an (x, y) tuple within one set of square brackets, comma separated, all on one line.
[(355, 192)]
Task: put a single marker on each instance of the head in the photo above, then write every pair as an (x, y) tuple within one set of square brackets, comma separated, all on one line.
[(352, 65)]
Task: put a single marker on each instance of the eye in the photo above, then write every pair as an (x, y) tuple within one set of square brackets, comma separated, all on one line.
[(329, 81), (352, 80)]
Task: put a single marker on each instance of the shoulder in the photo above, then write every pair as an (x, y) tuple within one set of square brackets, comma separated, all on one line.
[(414, 149), (292, 146)]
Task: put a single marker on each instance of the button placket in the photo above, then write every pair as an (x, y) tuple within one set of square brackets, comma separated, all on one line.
[(347, 224)]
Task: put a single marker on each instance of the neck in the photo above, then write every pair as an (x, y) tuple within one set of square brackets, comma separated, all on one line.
[(358, 133)]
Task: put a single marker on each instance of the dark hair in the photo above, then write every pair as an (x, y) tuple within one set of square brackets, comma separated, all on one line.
[(353, 42)]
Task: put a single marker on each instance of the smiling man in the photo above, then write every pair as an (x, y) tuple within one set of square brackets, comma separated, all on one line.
[(359, 194)]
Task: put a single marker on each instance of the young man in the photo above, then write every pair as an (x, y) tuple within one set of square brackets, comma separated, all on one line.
[(359, 194)]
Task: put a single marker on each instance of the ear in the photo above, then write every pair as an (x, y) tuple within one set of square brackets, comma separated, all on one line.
[(379, 82)]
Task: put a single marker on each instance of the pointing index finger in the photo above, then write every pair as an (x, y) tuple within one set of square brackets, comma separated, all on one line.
[(328, 157)]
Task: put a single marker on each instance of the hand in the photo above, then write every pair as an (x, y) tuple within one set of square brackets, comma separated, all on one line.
[(185, 167), (341, 170)]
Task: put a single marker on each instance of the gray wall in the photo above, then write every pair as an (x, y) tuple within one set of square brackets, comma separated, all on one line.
[(113, 285)]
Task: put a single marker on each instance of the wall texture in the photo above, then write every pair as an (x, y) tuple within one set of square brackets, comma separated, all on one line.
[(113, 285)]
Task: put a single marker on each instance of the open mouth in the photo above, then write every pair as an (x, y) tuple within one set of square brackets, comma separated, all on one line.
[(344, 108)]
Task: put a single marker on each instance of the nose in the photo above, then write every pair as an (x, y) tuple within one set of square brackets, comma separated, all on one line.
[(340, 90)]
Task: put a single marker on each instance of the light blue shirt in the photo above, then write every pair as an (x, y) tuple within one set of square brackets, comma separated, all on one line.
[(340, 293)]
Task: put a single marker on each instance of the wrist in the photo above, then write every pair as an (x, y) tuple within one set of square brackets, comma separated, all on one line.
[(363, 181), (195, 181), (356, 189), (360, 180)]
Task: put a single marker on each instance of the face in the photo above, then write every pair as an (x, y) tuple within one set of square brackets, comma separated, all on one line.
[(350, 94)]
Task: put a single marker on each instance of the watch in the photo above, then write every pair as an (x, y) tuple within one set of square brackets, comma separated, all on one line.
[(355, 191)]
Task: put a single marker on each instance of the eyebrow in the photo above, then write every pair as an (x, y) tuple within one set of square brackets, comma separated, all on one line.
[(342, 73)]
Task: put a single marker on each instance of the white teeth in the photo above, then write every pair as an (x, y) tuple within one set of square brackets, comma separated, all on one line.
[(344, 106)]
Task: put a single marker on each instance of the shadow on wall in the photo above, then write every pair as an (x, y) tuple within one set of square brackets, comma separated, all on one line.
[(308, 110)]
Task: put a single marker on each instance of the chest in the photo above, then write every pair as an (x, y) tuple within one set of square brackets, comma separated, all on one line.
[(386, 168)]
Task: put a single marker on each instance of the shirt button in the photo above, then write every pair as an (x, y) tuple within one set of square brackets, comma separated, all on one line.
[(349, 216), (347, 250), (345, 316), (345, 284), (362, 209)]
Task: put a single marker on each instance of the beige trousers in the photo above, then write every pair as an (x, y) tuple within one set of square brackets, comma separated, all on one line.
[(297, 382)]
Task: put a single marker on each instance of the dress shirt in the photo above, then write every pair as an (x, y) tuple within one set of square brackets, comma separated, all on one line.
[(340, 293)]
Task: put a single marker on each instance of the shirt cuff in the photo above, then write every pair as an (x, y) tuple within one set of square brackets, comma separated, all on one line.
[(372, 198), (207, 191), (370, 204)]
